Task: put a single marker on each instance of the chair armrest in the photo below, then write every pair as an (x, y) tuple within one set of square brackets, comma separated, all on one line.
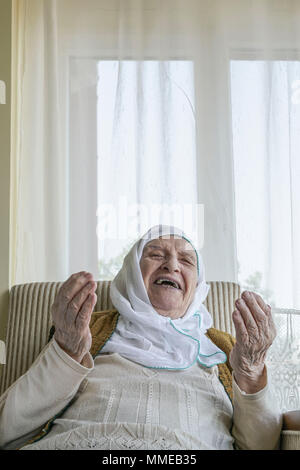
[(291, 421), (290, 434)]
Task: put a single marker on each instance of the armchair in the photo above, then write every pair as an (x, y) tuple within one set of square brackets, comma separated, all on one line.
[(30, 321)]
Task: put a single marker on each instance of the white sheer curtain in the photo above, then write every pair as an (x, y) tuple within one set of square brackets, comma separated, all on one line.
[(147, 143), (39, 220), (54, 154), (283, 358), (266, 142)]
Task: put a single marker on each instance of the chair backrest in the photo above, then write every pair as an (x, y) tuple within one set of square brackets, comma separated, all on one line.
[(30, 320)]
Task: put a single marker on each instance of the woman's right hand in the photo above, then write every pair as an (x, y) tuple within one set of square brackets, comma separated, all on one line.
[(71, 313)]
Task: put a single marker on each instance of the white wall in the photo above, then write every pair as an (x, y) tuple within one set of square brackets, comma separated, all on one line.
[(5, 76)]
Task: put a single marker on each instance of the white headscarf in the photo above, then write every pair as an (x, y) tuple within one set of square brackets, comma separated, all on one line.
[(148, 338)]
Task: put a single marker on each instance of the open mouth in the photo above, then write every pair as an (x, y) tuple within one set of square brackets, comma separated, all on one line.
[(167, 283)]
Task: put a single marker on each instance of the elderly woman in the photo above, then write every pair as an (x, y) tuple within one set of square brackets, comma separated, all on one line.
[(151, 374)]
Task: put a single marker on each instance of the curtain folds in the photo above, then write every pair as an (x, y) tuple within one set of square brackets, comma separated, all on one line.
[(39, 224)]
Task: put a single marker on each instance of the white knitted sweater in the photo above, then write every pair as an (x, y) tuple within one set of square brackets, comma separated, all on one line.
[(123, 405)]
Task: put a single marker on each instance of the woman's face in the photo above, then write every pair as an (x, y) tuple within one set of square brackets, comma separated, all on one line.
[(169, 270)]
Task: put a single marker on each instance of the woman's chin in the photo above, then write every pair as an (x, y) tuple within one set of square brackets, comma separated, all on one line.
[(167, 302), (167, 310)]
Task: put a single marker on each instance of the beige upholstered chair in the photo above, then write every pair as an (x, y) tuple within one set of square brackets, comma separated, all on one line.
[(30, 321)]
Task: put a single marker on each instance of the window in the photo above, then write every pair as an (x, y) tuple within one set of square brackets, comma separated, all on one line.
[(132, 163), (146, 153), (266, 140)]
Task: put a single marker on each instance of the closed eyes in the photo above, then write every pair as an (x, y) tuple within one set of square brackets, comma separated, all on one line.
[(185, 260)]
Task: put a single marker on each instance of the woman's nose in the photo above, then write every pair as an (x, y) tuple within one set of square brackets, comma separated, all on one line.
[(171, 264)]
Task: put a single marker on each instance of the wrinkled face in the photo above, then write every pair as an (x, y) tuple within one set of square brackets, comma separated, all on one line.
[(169, 270)]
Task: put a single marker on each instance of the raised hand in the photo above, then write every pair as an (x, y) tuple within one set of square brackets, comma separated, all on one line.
[(255, 332), (71, 313)]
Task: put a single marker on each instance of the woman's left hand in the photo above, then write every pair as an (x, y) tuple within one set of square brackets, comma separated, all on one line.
[(255, 332)]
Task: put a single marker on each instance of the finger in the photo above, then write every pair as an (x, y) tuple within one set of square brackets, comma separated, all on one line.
[(246, 314), (258, 313), (241, 333), (265, 307), (72, 286), (84, 315), (268, 313), (76, 303)]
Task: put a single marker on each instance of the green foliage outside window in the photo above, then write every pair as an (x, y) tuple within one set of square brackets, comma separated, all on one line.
[(254, 283), (109, 269)]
